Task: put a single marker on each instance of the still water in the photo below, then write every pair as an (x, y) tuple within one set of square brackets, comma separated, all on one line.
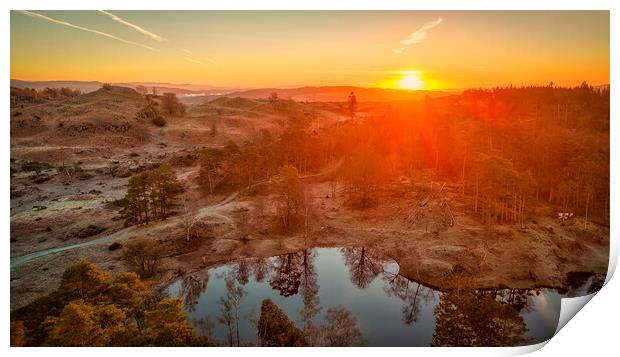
[(388, 309)]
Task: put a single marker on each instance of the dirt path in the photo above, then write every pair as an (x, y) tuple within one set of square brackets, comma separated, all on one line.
[(16, 262), (202, 212)]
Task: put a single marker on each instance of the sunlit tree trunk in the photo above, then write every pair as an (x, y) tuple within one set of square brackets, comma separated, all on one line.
[(585, 222), (550, 194), (523, 211), (476, 197), (463, 175), (514, 209)]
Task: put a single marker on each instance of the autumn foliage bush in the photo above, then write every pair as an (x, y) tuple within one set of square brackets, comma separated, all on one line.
[(92, 308), (276, 330)]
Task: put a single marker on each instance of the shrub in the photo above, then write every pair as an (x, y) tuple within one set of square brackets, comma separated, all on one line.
[(144, 256), (146, 113), (172, 105), (17, 334), (159, 121), (276, 330), (115, 246)]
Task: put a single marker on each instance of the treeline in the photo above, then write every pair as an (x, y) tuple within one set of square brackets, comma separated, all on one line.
[(505, 147), (151, 195), (555, 141), (91, 308), (236, 166)]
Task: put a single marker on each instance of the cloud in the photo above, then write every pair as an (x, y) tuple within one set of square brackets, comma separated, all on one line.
[(134, 26), (418, 36), (68, 24)]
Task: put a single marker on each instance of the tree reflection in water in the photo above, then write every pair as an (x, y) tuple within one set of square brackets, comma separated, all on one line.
[(598, 280), (296, 273), (413, 294), (459, 314), (287, 276), (260, 267), (242, 271), (465, 317), (339, 330), (582, 283), (229, 308), (364, 265), (192, 287), (517, 298), (204, 326), (309, 289)]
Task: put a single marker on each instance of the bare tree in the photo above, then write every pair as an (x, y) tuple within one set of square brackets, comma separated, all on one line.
[(290, 196), (189, 217), (308, 210), (145, 256), (243, 225)]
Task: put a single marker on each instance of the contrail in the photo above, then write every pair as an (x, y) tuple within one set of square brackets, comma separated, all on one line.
[(135, 27), (68, 24)]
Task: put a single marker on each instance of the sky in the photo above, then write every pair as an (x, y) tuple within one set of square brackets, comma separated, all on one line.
[(389, 49)]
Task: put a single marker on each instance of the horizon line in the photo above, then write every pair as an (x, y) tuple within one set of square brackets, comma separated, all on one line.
[(298, 86)]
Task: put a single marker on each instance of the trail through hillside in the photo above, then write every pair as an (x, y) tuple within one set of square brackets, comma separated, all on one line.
[(202, 212)]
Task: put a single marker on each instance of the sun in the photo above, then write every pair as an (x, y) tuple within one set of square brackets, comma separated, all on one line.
[(411, 81)]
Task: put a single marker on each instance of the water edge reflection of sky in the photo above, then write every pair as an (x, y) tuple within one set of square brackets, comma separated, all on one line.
[(389, 309)]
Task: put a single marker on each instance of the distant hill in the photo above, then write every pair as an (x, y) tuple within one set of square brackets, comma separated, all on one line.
[(83, 86), (339, 94), (197, 93), (91, 86)]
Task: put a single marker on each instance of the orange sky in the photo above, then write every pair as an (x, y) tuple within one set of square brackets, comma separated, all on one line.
[(397, 49)]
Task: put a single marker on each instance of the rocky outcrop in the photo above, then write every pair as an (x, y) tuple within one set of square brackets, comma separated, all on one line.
[(90, 128)]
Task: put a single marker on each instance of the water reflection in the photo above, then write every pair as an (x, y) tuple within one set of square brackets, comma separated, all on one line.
[(192, 287), (309, 291), (582, 283), (229, 306), (364, 265), (414, 295), (354, 296), (287, 277), (339, 330), (466, 317)]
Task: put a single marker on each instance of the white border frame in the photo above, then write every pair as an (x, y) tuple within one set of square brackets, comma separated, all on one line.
[(591, 331)]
